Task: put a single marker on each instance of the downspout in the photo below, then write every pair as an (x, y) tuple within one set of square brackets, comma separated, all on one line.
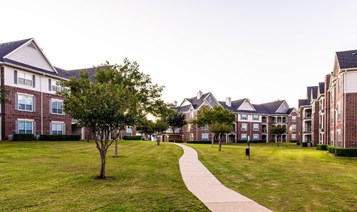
[(344, 110)]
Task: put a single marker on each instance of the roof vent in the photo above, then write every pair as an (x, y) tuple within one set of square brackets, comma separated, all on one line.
[(32, 45)]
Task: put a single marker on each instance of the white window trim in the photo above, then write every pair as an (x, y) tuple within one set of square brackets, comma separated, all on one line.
[(27, 120), (58, 122), (56, 100), (28, 95), (255, 129)]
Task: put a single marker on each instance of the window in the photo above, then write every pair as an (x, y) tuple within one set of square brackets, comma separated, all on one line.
[(24, 78), (293, 136), (52, 85), (255, 127), (244, 137), (129, 131), (255, 137), (293, 128), (25, 102), (293, 118), (205, 136), (244, 117), (56, 106), (205, 127), (25, 126), (244, 127), (57, 128), (256, 117)]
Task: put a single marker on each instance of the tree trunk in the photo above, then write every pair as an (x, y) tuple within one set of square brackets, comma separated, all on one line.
[(213, 138), (220, 142), (116, 148), (103, 154)]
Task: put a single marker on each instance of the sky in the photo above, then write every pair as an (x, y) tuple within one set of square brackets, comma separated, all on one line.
[(260, 50)]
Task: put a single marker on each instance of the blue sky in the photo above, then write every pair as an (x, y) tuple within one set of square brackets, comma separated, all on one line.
[(261, 50)]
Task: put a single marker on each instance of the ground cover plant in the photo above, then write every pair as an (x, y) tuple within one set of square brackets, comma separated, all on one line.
[(60, 176), (285, 178)]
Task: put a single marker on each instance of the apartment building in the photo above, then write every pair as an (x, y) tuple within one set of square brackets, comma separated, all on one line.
[(253, 121), (334, 108), (33, 106)]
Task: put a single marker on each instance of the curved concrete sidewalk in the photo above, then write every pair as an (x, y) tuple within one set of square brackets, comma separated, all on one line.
[(205, 186)]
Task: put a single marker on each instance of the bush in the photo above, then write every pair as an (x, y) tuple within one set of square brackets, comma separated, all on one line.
[(60, 137), (321, 147), (345, 152), (132, 137), (331, 149), (199, 142), (306, 144), (23, 137), (294, 141)]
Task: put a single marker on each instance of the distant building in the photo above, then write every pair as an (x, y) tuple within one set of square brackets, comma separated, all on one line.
[(330, 116), (33, 106), (253, 121)]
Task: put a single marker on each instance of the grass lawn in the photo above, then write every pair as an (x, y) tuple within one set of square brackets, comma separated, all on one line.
[(285, 178), (59, 176)]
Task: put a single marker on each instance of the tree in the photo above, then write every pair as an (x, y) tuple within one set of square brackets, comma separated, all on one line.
[(117, 95), (145, 127), (159, 127), (278, 131), (218, 120), (176, 120)]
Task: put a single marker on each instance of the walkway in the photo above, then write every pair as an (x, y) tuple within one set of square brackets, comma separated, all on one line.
[(205, 186)]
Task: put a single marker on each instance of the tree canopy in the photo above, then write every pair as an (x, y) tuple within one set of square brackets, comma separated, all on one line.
[(117, 95), (218, 120), (278, 131)]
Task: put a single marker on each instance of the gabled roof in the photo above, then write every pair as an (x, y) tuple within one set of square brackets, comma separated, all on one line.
[(196, 103), (7, 48), (183, 109), (347, 59), (303, 102), (321, 88), (269, 108)]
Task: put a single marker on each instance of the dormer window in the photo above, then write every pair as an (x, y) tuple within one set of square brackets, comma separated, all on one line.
[(24, 78)]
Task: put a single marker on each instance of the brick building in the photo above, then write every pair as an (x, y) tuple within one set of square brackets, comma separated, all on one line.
[(335, 105), (33, 106), (253, 121)]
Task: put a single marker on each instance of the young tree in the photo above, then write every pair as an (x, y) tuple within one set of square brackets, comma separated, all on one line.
[(114, 97), (176, 120), (159, 127), (145, 127), (278, 131), (218, 120)]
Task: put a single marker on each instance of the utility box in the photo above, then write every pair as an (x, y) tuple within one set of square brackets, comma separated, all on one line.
[(247, 152)]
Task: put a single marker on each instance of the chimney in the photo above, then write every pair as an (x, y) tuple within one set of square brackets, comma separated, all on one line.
[(199, 94), (228, 102)]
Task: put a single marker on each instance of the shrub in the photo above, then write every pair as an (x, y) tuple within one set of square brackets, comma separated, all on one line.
[(321, 147), (60, 137), (306, 144), (23, 137), (345, 152), (331, 149), (199, 142), (132, 137), (294, 141)]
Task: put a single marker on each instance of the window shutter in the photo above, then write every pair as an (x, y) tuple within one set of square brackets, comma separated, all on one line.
[(17, 126), (34, 127), (50, 128), (33, 80), (50, 106), (64, 129), (34, 104), (49, 84), (15, 77), (16, 101)]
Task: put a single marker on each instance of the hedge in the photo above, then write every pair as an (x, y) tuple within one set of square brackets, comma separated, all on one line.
[(342, 152), (321, 147), (199, 142), (132, 137), (60, 137), (23, 137)]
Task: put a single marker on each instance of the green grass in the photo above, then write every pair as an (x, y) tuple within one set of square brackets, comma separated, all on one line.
[(285, 178), (59, 176)]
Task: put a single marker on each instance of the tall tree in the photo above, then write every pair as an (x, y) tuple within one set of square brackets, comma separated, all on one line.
[(176, 120), (114, 97), (278, 131), (218, 120)]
